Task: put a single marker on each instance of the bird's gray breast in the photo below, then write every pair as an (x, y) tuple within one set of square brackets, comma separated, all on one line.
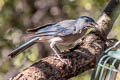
[(70, 39)]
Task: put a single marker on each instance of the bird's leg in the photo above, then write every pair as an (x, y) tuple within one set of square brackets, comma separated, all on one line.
[(56, 51)]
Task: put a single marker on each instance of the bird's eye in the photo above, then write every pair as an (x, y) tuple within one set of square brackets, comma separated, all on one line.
[(86, 20)]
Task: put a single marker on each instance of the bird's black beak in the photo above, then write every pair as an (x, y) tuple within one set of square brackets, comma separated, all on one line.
[(94, 25)]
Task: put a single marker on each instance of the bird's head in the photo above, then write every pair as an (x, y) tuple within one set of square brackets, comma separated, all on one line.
[(85, 22)]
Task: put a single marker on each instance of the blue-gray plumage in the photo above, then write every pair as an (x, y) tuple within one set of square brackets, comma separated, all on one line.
[(65, 32)]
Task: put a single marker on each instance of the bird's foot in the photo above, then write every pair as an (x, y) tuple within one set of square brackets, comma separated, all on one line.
[(56, 57)]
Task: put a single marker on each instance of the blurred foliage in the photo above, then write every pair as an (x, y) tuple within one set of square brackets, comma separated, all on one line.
[(18, 15)]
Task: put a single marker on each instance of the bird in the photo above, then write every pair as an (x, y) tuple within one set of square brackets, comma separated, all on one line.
[(64, 33)]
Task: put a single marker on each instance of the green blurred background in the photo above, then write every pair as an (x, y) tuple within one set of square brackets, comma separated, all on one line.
[(16, 16)]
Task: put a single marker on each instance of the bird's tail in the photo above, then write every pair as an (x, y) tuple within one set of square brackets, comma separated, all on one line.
[(23, 47)]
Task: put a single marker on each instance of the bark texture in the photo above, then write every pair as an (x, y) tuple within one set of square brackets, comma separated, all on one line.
[(81, 58)]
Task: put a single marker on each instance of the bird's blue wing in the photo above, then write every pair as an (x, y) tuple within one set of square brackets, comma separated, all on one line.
[(63, 28), (36, 29), (65, 31)]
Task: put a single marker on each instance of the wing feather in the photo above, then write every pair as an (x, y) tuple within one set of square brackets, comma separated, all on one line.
[(62, 28), (33, 30)]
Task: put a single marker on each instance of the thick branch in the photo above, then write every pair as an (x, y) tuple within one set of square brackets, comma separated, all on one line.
[(110, 14), (81, 59)]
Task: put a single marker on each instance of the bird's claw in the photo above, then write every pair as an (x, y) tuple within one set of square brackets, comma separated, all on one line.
[(55, 57)]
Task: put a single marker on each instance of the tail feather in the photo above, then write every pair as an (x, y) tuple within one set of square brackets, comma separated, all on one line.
[(23, 47)]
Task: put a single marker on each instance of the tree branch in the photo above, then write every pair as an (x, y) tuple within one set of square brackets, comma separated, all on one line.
[(110, 14), (81, 59)]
